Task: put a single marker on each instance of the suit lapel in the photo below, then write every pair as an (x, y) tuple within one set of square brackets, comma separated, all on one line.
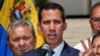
[(66, 50), (69, 51)]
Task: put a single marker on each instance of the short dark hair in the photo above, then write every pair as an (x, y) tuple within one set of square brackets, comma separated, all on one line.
[(51, 5), (95, 5), (95, 36)]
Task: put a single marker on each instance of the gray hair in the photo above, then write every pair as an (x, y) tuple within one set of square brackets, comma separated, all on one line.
[(21, 23)]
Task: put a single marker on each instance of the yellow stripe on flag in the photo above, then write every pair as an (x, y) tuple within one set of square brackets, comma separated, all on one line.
[(5, 13), (34, 21)]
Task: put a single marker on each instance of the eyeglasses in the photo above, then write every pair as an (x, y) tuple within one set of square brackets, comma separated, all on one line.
[(96, 19)]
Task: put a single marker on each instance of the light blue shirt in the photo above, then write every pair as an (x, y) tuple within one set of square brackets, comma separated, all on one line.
[(58, 49)]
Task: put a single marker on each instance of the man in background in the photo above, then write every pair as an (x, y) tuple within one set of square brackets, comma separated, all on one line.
[(21, 37), (94, 22)]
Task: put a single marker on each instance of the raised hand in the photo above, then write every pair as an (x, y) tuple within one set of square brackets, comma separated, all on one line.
[(88, 50)]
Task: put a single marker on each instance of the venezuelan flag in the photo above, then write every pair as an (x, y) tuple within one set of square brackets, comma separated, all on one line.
[(27, 7)]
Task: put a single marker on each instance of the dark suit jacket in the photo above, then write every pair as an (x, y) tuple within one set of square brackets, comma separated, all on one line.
[(67, 51)]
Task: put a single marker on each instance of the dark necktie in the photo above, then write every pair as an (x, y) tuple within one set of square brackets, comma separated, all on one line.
[(50, 53)]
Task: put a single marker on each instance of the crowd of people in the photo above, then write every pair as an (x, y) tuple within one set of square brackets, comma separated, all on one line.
[(21, 38)]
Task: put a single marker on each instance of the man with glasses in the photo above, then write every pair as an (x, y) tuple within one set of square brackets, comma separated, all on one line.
[(94, 22)]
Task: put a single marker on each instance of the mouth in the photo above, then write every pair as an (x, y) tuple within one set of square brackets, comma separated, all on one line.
[(20, 52), (23, 50), (52, 35)]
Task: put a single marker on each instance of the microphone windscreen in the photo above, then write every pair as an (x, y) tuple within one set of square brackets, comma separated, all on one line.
[(45, 49), (46, 46)]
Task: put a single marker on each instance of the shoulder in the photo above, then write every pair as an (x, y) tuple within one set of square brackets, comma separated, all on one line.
[(79, 46), (69, 48), (70, 51), (35, 52)]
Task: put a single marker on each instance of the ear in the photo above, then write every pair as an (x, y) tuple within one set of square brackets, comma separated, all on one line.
[(39, 26), (65, 26)]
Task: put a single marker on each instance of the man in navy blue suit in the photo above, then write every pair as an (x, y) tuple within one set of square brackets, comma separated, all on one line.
[(52, 24)]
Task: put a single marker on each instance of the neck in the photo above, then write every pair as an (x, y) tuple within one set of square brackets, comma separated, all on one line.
[(52, 46)]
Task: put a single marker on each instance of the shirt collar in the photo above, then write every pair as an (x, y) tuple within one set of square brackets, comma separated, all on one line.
[(58, 49)]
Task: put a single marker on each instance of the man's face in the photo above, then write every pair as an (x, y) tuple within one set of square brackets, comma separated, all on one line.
[(96, 46), (52, 26), (20, 40), (95, 20)]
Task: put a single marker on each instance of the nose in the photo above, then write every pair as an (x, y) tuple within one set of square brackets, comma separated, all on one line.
[(98, 27), (98, 51), (95, 50), (52, 27), (21, 43)]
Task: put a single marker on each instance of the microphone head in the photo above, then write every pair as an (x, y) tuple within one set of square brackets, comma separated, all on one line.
[(46, 47)]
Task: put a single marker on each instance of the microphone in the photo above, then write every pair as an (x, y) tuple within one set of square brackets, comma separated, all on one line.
[(45, 49)]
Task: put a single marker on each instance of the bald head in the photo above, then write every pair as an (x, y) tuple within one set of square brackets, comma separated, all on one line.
[(95, 9)]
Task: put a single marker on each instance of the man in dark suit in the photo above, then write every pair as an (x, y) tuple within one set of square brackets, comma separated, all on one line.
[(20, 37), (52, 24)]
